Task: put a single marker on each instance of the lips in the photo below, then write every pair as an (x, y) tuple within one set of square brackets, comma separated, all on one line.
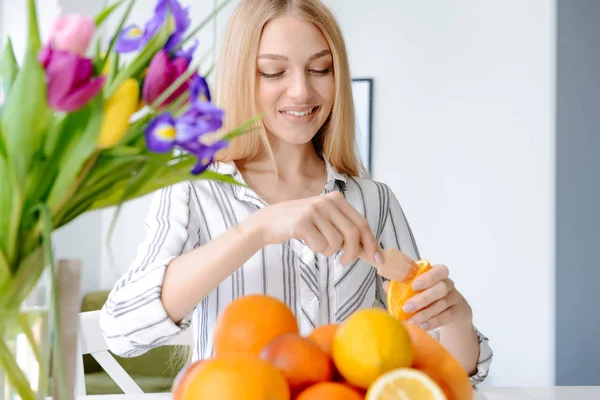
[(299, 112)]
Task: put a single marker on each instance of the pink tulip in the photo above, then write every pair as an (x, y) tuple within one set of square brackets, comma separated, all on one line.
[(69, 78), (73, 32)]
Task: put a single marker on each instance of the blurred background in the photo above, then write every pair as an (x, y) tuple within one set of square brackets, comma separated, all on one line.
[(486, 124)]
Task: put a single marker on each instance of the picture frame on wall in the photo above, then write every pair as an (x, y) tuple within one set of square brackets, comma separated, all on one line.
[(362, 93)]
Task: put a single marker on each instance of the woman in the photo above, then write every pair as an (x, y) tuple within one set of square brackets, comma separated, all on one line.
[(296, 230)]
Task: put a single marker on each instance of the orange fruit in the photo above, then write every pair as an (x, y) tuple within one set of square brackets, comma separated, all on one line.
[(302, 361), (183, 377), (370, 343), (405, 383), (398, 292), (323, 336), (248, 323), (433, 359), (330, 391), (239, 377)]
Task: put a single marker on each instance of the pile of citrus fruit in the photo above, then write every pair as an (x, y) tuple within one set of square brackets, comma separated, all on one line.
[(260, 355)]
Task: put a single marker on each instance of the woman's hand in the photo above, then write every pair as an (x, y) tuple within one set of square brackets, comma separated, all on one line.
[(438, 303), (326, 223)]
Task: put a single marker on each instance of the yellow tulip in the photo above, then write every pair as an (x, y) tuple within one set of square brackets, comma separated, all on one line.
[(117, 111)]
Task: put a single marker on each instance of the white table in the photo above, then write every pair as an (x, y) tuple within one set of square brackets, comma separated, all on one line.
[(545, 393)]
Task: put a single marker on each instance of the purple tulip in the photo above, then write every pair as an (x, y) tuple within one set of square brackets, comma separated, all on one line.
[(69, 78), (162, 72), (134, 38)]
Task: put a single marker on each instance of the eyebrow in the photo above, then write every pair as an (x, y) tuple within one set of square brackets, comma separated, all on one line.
[(279, 57)]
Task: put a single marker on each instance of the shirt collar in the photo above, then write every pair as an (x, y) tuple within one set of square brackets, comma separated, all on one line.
[(245, 193)]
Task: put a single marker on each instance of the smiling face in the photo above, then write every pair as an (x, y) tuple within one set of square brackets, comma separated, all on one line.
[(295, 84)]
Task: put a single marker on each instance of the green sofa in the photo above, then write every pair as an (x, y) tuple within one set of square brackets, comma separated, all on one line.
[(153, 371)]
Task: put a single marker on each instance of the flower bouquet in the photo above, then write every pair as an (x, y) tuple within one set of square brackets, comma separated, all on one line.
[(81, 130)]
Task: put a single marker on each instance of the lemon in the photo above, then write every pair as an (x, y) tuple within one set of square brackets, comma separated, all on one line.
[(370, 343), (405, 384)]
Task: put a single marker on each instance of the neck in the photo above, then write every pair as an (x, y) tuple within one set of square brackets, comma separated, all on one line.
[(293, 162)]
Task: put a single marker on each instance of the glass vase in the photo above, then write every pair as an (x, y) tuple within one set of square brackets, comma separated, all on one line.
[(26, 342)]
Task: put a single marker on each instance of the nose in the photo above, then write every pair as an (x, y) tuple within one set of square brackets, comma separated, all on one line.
[(300, 88)]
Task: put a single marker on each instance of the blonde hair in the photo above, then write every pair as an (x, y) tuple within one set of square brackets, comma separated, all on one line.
[(236, 83)]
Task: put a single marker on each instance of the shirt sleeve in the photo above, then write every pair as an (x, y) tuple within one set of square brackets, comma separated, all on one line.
[(133, 320), (396, 233)]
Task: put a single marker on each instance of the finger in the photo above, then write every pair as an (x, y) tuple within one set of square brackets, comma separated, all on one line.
[(428, 296), (367, 239), (434, 309), (441, 319), (349, 231), (332, 236), (386, 285), (313, 238), (436, 274)]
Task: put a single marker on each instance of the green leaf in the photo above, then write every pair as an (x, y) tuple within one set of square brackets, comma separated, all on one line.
[(113, 40), (204, 22), (8, 67), (33, 31), (104, 14), (70, 169), (4, 268), (136, 130), (25, 113), (137, 66), (243, 128), (97, 50), (173, 87), (120, 151), (3, 154)]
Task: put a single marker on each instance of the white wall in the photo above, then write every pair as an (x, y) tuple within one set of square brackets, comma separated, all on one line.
[(464, 134)]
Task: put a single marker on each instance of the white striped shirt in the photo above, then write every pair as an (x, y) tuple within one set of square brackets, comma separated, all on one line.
[(316, 288)]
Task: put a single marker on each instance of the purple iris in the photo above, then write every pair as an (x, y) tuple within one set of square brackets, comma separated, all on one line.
[(165, 132), (132, 38), (199, 91)]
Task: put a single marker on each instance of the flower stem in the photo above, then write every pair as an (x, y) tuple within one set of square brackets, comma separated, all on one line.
[(14, 374)]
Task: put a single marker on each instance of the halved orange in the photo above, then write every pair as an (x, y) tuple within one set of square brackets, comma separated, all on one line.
[(399, 292), (405, 384)]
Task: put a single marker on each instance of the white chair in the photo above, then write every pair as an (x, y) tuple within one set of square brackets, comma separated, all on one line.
[(92, 342)]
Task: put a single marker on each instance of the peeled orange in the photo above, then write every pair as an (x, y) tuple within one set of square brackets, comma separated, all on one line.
[(405, 383), (370, 343), (399, 292)]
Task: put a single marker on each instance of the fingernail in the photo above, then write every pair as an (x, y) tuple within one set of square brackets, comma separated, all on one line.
[(378, 258), (425, 326), (408, 308), (411, 321), (417, 286)]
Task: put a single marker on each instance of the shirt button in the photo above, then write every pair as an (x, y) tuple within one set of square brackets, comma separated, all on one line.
[(309, 296)]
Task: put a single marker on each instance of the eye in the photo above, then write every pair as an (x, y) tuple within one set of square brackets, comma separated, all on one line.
[(320, 72), (271, 76)]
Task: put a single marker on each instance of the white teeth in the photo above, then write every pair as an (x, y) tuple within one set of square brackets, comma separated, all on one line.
[(300, 113)]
